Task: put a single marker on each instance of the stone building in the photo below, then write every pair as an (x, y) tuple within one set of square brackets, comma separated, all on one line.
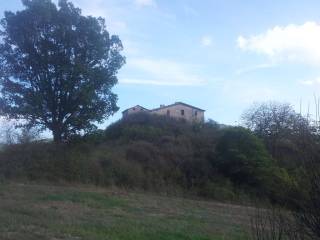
[(177, 110), (135, 109)]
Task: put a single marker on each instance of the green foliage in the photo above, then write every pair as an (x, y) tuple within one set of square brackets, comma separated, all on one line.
[(57, 68), (219, 190), (242, 157), (159, 154)]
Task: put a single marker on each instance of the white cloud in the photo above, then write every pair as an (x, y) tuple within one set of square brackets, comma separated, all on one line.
[(130, 48), (298, 43), (315, 82), (247, 92), (206, 41), (162, 72), (146, 82), (145, 3), (254, 68)]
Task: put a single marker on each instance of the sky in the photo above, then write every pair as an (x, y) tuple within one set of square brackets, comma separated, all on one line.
[(218, 55)]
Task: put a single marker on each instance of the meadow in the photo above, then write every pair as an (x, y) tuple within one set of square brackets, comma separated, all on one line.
[(41, 211)]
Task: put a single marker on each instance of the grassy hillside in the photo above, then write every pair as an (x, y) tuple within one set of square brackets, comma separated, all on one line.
[(30, 211), (156, 154)]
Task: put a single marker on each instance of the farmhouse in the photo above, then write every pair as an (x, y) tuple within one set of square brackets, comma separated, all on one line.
[(178, 110)]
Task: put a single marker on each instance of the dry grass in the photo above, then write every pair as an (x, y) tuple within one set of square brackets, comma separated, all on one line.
[(29, 211)]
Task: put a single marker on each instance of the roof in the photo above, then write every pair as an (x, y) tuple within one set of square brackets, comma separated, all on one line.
[(179, 103), (135, 107)]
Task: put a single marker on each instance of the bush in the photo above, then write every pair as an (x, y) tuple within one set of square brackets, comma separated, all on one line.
[(242, 157)]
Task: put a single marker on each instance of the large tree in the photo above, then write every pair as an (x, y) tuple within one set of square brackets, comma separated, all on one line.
[(57, 68), (285, 133)]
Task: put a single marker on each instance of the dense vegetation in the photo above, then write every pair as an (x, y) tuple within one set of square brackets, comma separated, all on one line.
[(159, 154)]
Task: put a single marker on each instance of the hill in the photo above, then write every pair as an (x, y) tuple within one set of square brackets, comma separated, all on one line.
[(160, 156), (157, 154)]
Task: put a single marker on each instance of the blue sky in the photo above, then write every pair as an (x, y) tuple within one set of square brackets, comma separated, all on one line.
[(219, 55)]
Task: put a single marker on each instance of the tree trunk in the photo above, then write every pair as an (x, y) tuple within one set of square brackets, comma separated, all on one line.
[(57, 134)]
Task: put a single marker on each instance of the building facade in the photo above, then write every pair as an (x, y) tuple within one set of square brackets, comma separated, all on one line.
[(135, 109), (177, 110)]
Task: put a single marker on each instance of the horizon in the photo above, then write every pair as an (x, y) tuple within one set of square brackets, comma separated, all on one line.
[(221, 56)]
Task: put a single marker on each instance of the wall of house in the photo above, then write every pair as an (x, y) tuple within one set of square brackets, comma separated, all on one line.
[(181, 111), (132, 110)]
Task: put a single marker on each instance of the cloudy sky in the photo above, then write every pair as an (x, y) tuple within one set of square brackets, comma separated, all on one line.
[(219, 55)]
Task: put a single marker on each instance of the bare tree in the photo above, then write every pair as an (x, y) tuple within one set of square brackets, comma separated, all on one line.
[(285, 133), (275, 223), (308, 213)]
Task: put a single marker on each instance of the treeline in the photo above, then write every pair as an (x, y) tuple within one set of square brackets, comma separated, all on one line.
[(265, 160)]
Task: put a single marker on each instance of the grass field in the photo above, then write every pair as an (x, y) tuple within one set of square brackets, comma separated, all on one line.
[(30, 211)]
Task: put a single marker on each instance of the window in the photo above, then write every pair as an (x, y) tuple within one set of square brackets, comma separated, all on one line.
[(196, 113), (168, 112), (134, 109), (182, 112)]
